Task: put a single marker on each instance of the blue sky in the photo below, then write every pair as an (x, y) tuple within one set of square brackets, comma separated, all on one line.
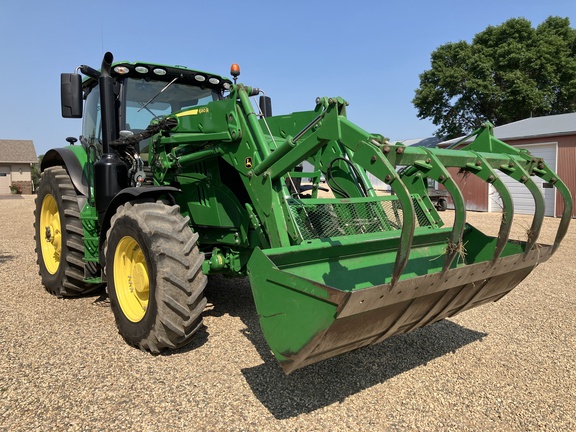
[(369, 52)]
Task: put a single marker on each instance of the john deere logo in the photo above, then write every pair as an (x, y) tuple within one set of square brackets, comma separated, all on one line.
[(248, 162)]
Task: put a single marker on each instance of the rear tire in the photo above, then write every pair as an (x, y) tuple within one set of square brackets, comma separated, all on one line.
[(58, 235), (155, 282)]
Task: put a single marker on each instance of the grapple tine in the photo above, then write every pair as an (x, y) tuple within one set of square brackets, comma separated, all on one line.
[(385, 171), (545, 173), (408, 224), (507, 216), (518, 173), (443, 176), (566, 213), (487, 173)]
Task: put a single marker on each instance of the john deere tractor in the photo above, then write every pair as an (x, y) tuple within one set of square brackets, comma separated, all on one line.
[(178, 176)]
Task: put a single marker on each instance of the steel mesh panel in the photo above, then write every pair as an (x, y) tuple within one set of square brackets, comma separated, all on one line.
[(321, 220)]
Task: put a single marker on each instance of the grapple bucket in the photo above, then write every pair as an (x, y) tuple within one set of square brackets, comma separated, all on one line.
[(320, 300), (370, 268)]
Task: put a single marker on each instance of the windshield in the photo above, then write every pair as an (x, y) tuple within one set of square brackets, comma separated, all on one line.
[(175, 97)]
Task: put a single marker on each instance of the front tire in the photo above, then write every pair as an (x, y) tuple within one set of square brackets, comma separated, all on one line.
[(155, 282), (58, 235)]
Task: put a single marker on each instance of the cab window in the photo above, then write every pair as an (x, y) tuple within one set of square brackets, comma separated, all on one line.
[(146, 100), (92, 122)]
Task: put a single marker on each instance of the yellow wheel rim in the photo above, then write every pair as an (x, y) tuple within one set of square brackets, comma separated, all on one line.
[(131, 281), (50, 234)]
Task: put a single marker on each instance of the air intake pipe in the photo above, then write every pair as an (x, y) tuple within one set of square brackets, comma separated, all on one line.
[(108, 103), (110, 172)]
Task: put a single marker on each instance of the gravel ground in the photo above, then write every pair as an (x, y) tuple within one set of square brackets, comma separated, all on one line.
[(509, 365)]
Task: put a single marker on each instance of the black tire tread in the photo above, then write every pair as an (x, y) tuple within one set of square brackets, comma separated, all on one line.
[(179, 282), (71, 283)]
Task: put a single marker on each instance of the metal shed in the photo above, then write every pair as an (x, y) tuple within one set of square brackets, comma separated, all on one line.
[(552, 138)]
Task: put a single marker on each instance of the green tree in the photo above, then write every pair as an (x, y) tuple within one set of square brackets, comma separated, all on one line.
[(35, 172), (508, 73)]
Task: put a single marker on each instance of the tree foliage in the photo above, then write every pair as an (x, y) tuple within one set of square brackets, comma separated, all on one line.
[(508, 73), (35, 173)]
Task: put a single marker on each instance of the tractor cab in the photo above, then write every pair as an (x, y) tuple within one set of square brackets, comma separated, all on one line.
[(143, 93)]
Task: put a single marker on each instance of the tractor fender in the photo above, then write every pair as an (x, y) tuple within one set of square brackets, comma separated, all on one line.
[(71, 161), (132, 194)]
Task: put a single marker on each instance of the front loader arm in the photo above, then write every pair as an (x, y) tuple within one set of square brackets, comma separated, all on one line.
[(330, 129)]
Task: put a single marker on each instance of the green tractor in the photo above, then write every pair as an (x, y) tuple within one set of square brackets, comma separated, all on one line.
[(179, 177)]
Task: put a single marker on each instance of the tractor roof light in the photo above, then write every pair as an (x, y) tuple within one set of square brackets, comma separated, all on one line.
[(200, 78), (121, 70), (235, 71), (159, 71), (141, 69)]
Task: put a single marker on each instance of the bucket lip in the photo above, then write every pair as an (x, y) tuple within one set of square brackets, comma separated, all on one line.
[(366, 299)]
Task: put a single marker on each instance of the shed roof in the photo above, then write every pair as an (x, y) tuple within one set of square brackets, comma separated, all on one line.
[(422, 142), (21, 151), (533, 127), (559, 124)]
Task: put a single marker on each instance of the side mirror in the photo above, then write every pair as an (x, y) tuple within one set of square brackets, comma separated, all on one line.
[(266, 106), (71, 95)]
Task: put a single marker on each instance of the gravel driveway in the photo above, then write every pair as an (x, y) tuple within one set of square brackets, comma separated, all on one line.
[(509, 365)]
